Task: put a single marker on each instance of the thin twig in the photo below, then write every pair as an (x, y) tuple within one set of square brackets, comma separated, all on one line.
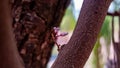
[(113, 14), (113, 40)]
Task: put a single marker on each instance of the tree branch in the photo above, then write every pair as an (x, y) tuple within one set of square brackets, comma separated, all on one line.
[(113, 30), (78, 49), (113, 14)]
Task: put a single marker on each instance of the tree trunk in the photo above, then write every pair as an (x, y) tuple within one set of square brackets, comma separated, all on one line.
[(9, 56), (33, 22), (78, 49)]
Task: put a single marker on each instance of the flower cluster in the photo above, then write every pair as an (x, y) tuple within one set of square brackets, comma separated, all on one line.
[(55, 34)]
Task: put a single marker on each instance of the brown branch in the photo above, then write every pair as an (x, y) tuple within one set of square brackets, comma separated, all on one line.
[(78, 49), (113, 40), (119, 27), (113, 14)]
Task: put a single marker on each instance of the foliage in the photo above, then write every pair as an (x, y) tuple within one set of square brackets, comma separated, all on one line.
[(68, 22), (106, 31)]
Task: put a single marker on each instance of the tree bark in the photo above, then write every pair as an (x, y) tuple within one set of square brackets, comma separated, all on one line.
[(76, 52), (9, 56), (33, 22)]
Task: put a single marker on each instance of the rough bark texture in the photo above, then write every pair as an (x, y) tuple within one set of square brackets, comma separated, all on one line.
[(9, 56), (33, 22), (78, 49)]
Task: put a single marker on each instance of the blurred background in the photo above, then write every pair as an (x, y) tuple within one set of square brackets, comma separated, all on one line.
[(104, 53)]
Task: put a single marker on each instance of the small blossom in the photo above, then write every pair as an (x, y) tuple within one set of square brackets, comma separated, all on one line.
[(56, 33)]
